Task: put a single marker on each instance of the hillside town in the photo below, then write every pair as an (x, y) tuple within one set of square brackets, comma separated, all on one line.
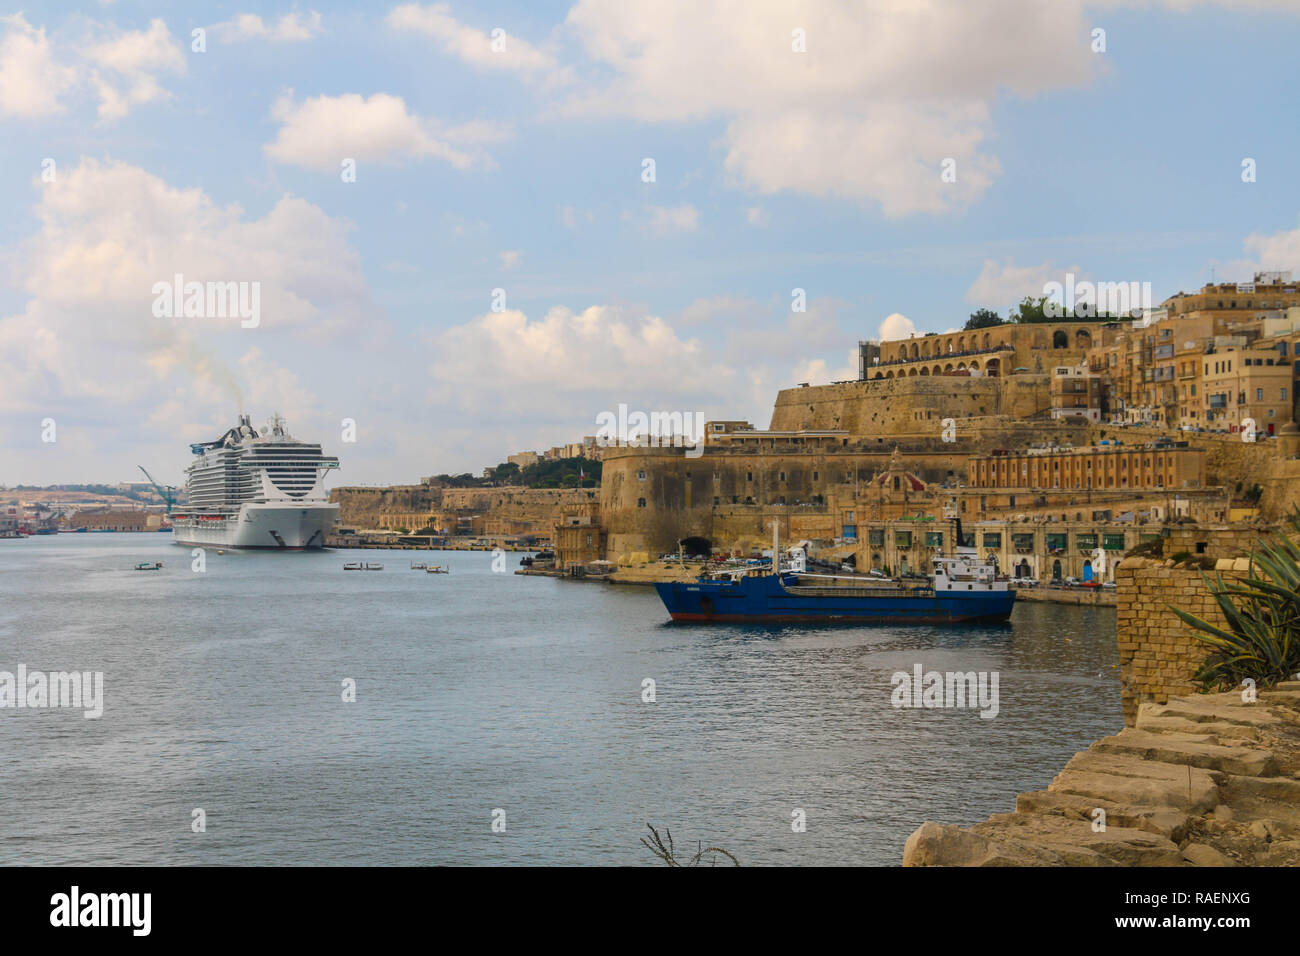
[(1060, 444)]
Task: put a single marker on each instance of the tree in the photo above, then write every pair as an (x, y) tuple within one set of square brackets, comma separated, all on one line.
[(983, 319), (1030, 310)]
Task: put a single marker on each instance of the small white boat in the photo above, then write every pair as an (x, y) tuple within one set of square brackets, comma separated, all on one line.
[(374, 567), (148, 566), (419, 566), (436, 569), (354, 566)]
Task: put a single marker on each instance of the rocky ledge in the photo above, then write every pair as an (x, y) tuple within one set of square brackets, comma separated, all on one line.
[(1204, 780)]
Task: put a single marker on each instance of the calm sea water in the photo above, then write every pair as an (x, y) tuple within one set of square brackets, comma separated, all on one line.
[(479, 691)]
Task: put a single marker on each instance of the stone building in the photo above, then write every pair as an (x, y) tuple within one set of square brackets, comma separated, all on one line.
[(1156, 465)]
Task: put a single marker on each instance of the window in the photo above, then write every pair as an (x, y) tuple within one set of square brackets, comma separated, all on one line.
[(640, 502), (749, 476), (815, 476), (783, 476), (640, 476), (1259, 394)]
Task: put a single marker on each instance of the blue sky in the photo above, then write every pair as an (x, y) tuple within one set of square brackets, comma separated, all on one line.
[(521, 170)]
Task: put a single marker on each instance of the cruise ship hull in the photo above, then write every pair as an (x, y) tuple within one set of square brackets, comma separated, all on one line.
[(273, 527), (772, 600)]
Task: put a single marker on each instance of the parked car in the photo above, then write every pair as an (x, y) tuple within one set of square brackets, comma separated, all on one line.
[(1108, 585), (877, 573), (1072, 582), (1024, 582)]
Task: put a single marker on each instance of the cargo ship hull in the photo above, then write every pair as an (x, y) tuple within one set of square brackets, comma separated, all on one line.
[(771, 599)]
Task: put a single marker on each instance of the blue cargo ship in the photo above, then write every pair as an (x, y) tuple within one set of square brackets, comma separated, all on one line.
[(960, 590)]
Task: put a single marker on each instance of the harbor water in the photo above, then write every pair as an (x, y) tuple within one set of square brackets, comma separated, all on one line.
[(485, 697)]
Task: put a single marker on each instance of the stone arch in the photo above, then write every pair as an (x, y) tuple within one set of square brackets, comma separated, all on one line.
[(961, 366), (1056, 570), (880, 375), (889, 374), (1060, 339), (915, 351), (696, 546), (974, 366), (961, 343), (993, 367), (925, 370), (937, 371), (1083, 339), (947, 368), (911, 373), (988, 340)]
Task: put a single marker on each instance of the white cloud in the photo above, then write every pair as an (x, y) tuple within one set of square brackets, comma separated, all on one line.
[(895, 326), (1278, 251), (718, 308), (131, 61), (1000, 285), (31, 82), (756, 216), (87, 335), (820, 372), (666, 220), (511, 259), (567, 366), (885, 92), (294, 27), (483, 49), (320, 133)]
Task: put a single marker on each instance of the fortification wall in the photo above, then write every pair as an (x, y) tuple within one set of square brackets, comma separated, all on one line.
[(1157, 653), (362, 507)]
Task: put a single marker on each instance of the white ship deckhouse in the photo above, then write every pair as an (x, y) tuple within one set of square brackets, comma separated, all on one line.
[(256, 490)]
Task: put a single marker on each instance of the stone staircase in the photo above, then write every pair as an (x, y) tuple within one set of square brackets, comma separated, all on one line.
[(1203, 780)]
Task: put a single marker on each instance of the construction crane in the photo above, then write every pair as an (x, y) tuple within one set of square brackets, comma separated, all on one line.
[(166, 492)]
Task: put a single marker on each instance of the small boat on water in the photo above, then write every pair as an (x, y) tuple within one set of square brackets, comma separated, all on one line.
[(362, 566), (148, 566), (419, 566), (436, 569)]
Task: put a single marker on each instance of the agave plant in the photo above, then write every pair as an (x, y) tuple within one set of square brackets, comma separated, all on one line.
[(1260, 637)]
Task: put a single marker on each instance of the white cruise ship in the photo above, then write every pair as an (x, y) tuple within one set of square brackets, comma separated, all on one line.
[(251, 490)]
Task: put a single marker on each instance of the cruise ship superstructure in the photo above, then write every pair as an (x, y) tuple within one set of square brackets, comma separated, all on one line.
[(256, 490)]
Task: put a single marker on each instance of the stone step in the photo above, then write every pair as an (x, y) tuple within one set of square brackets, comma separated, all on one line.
[(1163, 821), (1200, 854), (1227, 708), (1283, 789), (1131, 781), (1181, 725), (943, 844), (1196, 750), (1078, 844)]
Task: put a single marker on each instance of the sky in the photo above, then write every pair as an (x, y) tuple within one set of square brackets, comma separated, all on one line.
[(470, 229)]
